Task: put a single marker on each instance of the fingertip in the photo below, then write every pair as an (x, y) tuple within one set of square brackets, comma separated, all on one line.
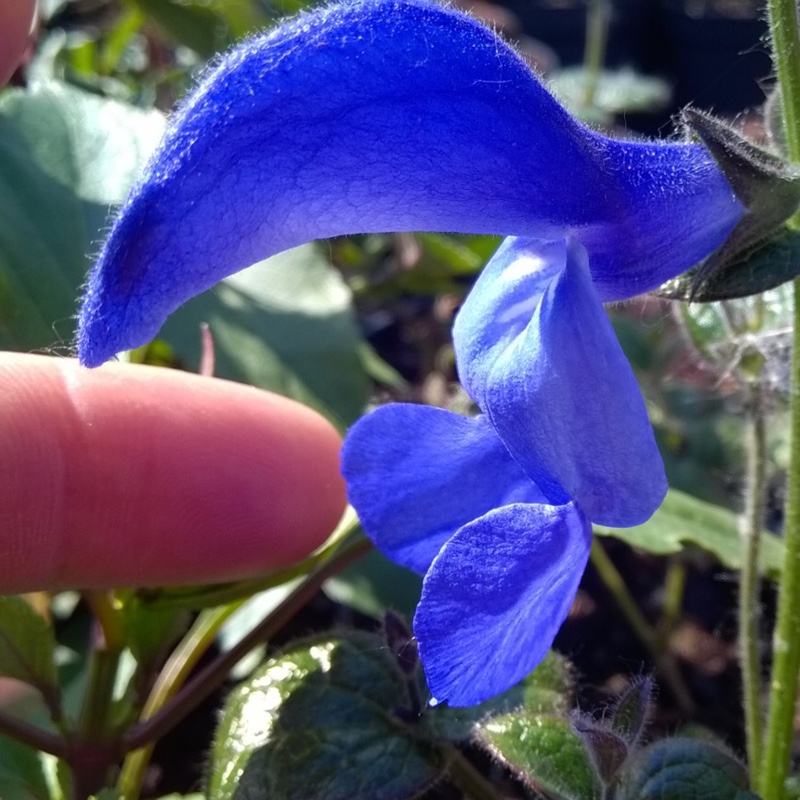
[(131, 475), (16, 21)]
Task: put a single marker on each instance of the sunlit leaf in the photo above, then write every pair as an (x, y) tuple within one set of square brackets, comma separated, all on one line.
[(684, 520), (66, 156), (544, 752), (286, 324), (319, 721)]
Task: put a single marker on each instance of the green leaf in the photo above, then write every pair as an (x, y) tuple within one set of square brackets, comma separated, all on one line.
[(193, 25), (765, 184), (65, 157), (683, 769), (379, 370), (775, 261), (544, 752), (286, 324), (22, 773), (205, 26), (546, 690), (630, 711), (150, 630), (617, 92), (374, 584), (318, 722), (27, 644), (112, 794), (683, 519)]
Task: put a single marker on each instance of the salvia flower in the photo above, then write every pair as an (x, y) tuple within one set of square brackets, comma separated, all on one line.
[(392, 115)]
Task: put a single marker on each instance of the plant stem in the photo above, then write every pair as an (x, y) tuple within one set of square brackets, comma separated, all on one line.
[(783, 26), (466, 777), (786, 641), (175, 673), (641, 627), (32, 735), (211, 677), (749, 583), (224, 593), (594, 53), (674, 587)]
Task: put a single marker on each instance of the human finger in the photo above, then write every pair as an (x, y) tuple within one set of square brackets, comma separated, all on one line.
[(16, 20), (130, 476)]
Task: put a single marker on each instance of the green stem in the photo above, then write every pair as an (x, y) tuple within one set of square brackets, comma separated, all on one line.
[(641, 627), (786, 58), (175, 673), (95, 747), (674, 587), (749, 583), (594, 54), (466, 777), (107, 645), (786, 641), (209, 679), (240, 590)]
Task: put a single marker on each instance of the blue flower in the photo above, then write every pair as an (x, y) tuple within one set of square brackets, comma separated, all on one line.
[(387, 115)]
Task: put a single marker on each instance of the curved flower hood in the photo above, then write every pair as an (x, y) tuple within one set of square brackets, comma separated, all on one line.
[(387, 116)]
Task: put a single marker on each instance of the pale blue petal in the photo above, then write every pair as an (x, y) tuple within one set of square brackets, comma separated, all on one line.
[(416, 474), (495, 597), (563, 398), (500, 306), (377, 116)]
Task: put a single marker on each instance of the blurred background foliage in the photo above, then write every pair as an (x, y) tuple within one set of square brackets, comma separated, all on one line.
[(362, 320)]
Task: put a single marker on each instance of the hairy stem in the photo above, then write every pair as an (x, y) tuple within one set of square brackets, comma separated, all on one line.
[(786, 641), (641, 627), (749, 584)]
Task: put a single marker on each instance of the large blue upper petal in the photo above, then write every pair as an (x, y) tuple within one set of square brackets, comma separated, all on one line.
[(383, 115), (416, 474), (547, 368), (495, 597)]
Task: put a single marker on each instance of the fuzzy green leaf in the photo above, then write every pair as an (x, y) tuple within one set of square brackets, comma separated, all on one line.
[(547, 690), (683, 769), (319, 721), (544, 752)]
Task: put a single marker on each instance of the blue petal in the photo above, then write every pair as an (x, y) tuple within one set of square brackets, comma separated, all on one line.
[(495, 598), (557, 386), (381, 115), (416, 474), (500, 306)]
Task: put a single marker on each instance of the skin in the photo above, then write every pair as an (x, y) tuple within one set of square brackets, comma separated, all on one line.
[(137, 476), (16, 21), (131, 475)]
